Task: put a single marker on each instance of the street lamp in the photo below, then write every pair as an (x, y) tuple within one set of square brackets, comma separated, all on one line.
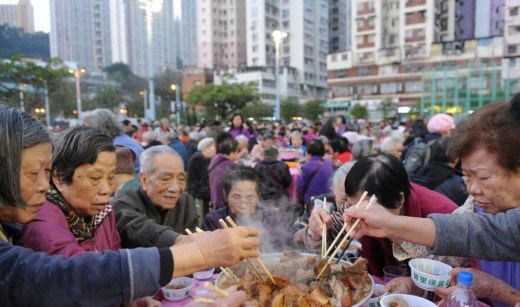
[(150, 7), (77, 74), (39, 111), (21, 87), (278, 36), (177, 90)]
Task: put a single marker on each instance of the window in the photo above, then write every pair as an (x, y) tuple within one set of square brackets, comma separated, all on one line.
[(511, 49), (360, 23), (408, 34), (344, 57), (333, 58), (514, 29), (513, 11)]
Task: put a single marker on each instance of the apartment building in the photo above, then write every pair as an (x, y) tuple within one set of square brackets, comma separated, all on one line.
[(19, 15), (511, 61), (340, 25)]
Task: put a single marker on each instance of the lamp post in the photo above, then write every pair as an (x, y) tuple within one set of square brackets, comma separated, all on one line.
[(22, 99), (77, 74), (177, 90), (150, 7), (47, 106), (278, 36)]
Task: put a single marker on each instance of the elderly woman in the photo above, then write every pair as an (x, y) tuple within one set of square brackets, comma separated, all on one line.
[(105, 121), (227, 153), (198, 177), (315, 173), (112, 277), (487, 143), (296, 139), (385, 177), (241, 191), (392, 146), (77, 216), (274, 175)]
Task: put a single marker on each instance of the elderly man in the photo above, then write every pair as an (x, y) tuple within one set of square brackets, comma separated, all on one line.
[(157, 213)]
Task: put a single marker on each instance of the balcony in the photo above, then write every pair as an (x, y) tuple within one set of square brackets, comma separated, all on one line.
[(412, 3), (415, 18), (366, 44), (415, 39), (364, 8)]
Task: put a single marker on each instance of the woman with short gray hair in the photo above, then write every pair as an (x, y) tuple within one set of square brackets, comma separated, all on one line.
[(106, 121)]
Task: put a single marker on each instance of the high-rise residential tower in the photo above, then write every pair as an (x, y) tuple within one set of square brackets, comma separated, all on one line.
[(221, 35), (340, 25), (80, 32), (19, 15)]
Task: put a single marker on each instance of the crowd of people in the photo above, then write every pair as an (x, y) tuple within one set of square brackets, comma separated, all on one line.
[(114, 199)]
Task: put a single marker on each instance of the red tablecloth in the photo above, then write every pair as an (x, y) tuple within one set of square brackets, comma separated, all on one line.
[(293, 188)]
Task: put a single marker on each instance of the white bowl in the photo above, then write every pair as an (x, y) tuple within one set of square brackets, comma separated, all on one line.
[(203, 275), (411, 300), (171, 291), (380, 291), (428, 273)]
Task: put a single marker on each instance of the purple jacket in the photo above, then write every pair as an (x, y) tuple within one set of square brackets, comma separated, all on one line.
[(237, 131), (320, 181), (49, 232), (216, 169)]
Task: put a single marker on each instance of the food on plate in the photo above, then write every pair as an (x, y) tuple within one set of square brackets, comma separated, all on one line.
[(398, 302), (176, 287), (296, 283), (428, 272)]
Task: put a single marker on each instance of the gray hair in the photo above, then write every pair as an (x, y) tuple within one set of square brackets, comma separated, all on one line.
[(205, 143), (340, 174), (148, 156), (324, 140), (105, 121), (241, 138), (296, 134), (18, 131), (362, 148), (389, 143), (150, 134)]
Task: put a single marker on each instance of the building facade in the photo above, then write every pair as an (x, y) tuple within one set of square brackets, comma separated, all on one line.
[(340, 25), (80, 32), (221, 35), (19, 15)]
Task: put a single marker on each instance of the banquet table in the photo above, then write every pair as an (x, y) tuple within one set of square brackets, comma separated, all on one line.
[(198, 288)]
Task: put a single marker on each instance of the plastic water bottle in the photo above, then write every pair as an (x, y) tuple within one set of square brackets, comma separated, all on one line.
[(463, 296)]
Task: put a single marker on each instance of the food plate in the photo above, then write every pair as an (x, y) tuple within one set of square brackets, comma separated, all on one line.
[(272, 260)]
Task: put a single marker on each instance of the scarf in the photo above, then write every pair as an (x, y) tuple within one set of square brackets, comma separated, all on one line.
[(83, 228)]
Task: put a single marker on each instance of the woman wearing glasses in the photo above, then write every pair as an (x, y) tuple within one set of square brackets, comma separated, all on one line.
[(242, 193)]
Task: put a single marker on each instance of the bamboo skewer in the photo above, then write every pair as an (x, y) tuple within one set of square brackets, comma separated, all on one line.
[(372, 201), (344, 227), (204, 300), (324, 232), (262, 264), (226, 271), (224, 225)]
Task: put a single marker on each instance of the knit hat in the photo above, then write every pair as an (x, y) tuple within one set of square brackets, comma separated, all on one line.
[(440, 123), (124, 163)]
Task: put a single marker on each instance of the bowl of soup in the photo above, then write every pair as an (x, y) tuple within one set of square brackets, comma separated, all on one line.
[(428, 273), (404, 300), (178, 289)]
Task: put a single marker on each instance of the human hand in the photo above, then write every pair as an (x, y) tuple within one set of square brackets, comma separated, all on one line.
[(235, 298), (147, 301), (403, 285), (183, 239), (483, 283), (226, 247), (374, 220), (316, 221)]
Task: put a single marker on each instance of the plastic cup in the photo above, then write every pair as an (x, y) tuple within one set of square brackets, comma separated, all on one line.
[(204, 275), (393, 271)]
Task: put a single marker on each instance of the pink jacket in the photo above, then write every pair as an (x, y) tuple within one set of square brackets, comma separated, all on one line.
[(49, 232)]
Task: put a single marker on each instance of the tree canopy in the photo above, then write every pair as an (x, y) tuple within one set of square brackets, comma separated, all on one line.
[(13, 41), (359, 111), (224, 99), (313, 109), (289, 108)]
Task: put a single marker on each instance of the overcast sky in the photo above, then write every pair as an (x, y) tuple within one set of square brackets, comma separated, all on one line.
[(42, 15)]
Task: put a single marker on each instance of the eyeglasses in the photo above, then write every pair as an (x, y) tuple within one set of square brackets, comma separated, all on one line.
[(236, 200)]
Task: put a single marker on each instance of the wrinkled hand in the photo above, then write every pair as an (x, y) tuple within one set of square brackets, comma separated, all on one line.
[(147, 301), (316, 221), (373, 222), (403, 285), (183, 239), (235, 298), (226, 247), (483, 283)]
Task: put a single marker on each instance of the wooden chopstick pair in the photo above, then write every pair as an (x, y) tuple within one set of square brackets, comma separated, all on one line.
[(372, 201), (260, 262), (226, 271), (212, 288)]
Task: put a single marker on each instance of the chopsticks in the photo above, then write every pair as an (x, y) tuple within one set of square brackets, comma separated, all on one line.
[(204, 300), (372, 201), (344, 227), (324, 232), (226, 271), (260, 262)]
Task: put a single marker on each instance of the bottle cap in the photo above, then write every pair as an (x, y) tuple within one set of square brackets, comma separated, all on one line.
[(465, 278)]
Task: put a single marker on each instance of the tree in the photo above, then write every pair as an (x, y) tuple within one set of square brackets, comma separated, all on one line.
[(359, 111), (313, 109), (222, 100), (257, 110), (388, 107), (108, 97), (289, 108), (13, 42)]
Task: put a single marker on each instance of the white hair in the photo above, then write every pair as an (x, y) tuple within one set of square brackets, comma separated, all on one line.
[(241, 138), (389, 143), (148, 156), (339, 175), (150, 135), (205, 143)]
